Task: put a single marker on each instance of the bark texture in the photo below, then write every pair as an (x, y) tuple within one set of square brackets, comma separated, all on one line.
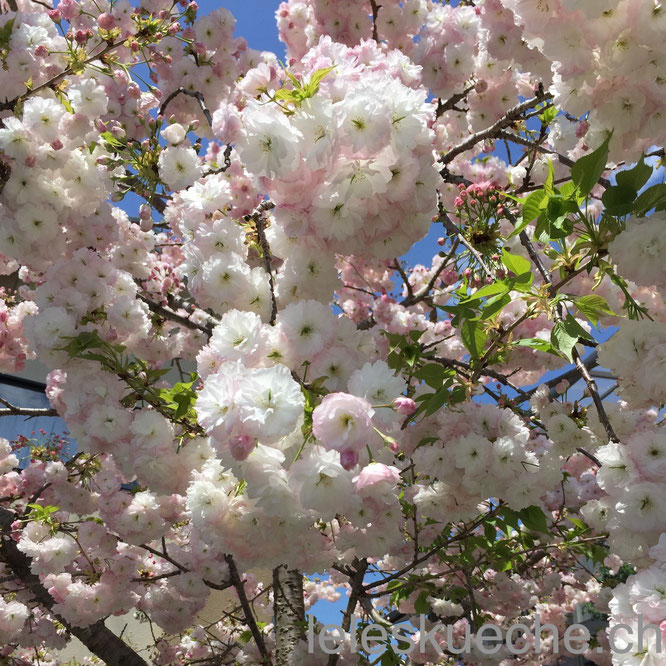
[(289, 611)]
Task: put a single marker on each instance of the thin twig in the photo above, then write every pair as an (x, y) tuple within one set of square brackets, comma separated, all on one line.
[(13, 410), (11, 104), (258, 216), (190, 93), (247, 610), (453, 230), (507, 119), (178, 319), (375, 12), (356, 592)]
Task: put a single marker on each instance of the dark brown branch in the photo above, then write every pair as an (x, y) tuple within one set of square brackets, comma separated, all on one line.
[(515, 138), (587, 454), (178, 319), (356, 592), (450, 104), (578, 361), (247, 610), (190, 93), (375, 12), (508, 119), (258, 216), (594, 393), (100, 640), (398, 267)]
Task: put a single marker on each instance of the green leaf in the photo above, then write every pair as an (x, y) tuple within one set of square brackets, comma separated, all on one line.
[(473, 337), (6, 33), (515, 263), (495, 305), (531, 206), (510, 517), (432, 374), (437, 401), (653, 197), (636, 177), (498, 287), (548, 185), (534, 519), (562, 340), (317, 77), (586, 172), (619, 199), (421, 606), (459, 394), (536, 343), (593, 305), (112, 140), (578, 523), (548, 115), (565, 334)]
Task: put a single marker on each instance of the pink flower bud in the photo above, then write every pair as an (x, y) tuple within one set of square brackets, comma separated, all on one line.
[(55, 15), (106, 21), (348, 459), (41, 51), (562, 386), (145, 211), (146, 225), (404, 405), (581, 129), (440, 241), (240, 447), (481, 86)]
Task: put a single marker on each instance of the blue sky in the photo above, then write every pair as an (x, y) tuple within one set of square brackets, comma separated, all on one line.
[(255, 20)]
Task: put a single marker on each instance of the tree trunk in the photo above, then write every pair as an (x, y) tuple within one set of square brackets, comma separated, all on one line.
[(289, 611), (100, 640)]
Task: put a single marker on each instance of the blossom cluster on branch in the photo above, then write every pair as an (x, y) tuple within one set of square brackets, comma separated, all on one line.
[(270, 406)]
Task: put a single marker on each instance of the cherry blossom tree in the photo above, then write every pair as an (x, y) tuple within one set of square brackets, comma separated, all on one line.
[(427, 443)]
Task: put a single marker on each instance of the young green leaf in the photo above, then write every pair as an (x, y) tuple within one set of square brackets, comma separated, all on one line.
[(592, 306), (588, 169), (515, 263), (473, 337)]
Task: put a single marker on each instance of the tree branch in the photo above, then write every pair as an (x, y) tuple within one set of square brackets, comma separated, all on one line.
[(9, 105), (356, 581), (247, 611), (190, 93), (509, 118), (100, 640), (179, 319), (13, 410), (375, 12), (258, 216), (289, 613)]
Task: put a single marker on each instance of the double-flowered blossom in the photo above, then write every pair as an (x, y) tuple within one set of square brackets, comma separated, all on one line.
[(351, 417)]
